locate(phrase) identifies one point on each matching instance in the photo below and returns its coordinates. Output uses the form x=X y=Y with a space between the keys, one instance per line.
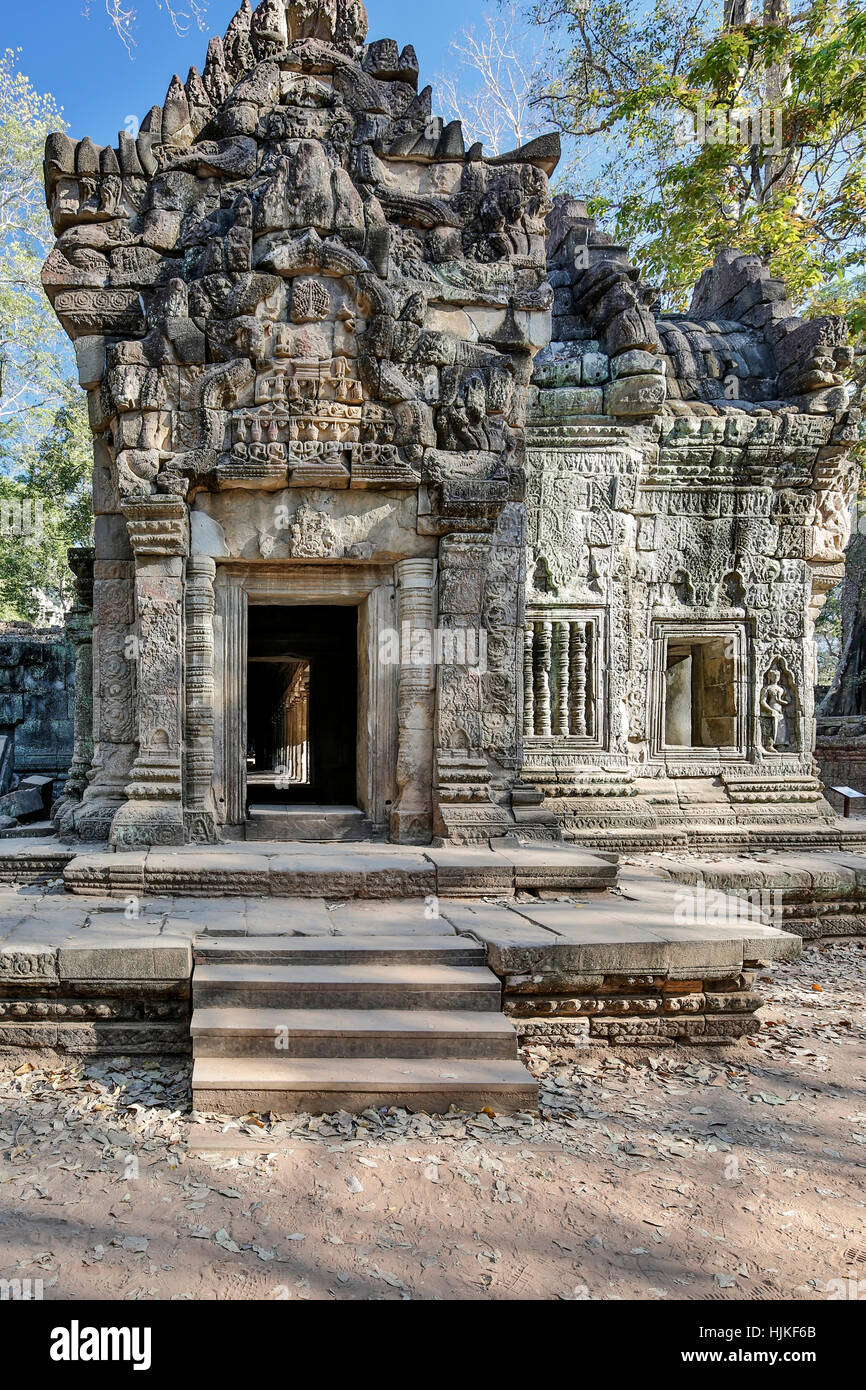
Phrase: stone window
x=562 y=675
x=698 y=690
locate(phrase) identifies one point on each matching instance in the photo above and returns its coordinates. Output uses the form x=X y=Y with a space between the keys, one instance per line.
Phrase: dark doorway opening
x=302 y=706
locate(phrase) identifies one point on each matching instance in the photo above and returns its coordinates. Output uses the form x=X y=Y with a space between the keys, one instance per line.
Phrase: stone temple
x=415 y=518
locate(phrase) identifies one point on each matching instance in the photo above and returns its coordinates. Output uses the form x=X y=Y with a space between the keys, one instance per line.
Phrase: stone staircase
x=344 y=1023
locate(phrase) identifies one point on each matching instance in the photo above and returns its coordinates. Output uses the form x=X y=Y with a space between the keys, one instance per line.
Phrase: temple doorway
x=302 y=707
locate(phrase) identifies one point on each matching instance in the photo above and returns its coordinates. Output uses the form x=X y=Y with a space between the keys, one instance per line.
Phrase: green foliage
x=45 y=508
x=34 y=355
x=828 y=636
x=45 y=448
x=673 y=89
x=607 y=59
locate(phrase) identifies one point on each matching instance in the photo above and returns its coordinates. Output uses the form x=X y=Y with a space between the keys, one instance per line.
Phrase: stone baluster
x=577 y=663
x=543 y=634
x=528 y=680
x=561 y=659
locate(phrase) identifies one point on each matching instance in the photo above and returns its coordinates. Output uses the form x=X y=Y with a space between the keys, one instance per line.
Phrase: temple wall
x=684 y=525
x=37 y=680
x=841 y=753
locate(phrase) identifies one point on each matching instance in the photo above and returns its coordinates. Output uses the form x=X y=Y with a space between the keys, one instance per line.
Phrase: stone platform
x=720 y=836
x=625 y=966
x=581 y=953
x=819 y=894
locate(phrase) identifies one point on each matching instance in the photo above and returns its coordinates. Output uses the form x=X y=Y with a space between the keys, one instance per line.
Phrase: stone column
x=234 y=721
x=199 y=817
x=153 y=814
x=412 y=814
x=577 y=661
x=79 y=626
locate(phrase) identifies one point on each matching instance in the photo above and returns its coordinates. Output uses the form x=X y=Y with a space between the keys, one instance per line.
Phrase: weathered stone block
x=635 y=395
x=636 y=363
x=28 y=965
x=109 y=960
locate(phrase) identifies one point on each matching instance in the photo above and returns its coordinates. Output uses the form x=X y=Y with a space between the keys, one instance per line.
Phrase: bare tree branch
x=490 y=87
x=123 y=17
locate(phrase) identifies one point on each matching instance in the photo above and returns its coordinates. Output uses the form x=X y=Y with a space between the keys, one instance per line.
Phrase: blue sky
x=87 y=70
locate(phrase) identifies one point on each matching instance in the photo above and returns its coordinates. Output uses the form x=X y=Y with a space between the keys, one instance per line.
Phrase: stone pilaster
x=79 y=626
x=412 y=815
x=199 y=818
x=477 y=717
x=153 y=813
x=233 y=703
x=113 y=696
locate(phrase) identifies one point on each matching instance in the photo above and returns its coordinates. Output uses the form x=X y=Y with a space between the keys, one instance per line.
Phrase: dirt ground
x=727 y=1173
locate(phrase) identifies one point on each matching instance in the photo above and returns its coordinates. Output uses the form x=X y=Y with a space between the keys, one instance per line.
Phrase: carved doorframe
x=370 y=589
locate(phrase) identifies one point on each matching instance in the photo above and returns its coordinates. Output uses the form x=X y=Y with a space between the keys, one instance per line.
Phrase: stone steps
x=347 y=986
x=282 y=1085
x=235 y=1032
x=343 y=1023
x=317 y=950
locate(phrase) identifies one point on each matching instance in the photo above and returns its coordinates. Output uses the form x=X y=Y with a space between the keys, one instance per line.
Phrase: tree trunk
x=847 y=694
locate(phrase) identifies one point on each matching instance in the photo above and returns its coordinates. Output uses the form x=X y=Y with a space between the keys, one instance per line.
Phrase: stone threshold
x=369 y=870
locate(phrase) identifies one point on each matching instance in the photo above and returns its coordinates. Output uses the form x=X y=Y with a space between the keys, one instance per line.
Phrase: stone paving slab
x=412 y=917
x=613 y=934
x=821 y=875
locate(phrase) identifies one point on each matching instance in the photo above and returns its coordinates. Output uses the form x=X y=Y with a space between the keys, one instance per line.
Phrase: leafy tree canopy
x=716 y=133
x=45 y=450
